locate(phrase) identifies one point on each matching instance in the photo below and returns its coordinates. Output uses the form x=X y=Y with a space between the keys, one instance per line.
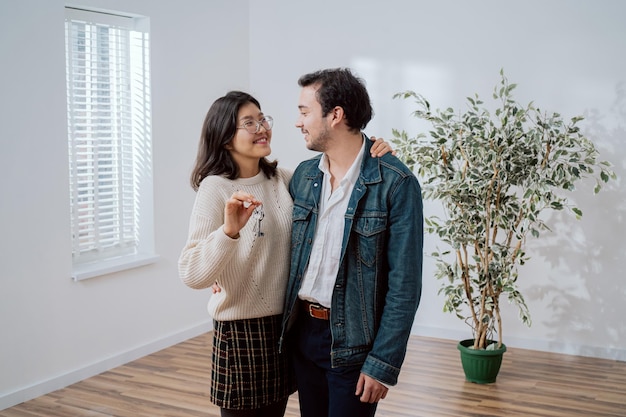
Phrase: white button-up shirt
x=321 y=273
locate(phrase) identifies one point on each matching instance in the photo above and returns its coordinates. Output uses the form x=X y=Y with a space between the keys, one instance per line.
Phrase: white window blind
x=109 y=134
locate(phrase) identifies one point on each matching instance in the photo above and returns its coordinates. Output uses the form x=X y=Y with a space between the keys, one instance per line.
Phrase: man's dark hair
x=340 y=87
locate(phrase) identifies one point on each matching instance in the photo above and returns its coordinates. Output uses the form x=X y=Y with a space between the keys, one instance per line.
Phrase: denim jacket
x=378 y=286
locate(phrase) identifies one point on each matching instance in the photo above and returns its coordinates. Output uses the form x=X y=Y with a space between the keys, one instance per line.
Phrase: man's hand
x=370 y=390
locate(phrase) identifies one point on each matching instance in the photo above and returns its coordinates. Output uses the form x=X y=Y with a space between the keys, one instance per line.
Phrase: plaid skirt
x=248 y=372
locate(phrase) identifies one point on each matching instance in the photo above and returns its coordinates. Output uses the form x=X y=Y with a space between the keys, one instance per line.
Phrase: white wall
x=54 y=331
x=567 y=55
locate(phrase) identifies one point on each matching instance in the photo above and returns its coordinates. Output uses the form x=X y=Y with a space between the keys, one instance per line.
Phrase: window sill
x=122 y=263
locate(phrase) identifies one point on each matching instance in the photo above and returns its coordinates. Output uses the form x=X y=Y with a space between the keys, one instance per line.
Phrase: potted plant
x=495 y=175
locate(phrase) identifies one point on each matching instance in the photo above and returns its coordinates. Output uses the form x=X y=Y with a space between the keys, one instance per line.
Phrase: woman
x=239 y=236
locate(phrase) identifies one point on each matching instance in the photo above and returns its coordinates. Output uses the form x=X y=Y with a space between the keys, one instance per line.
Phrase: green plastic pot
x=480 y=366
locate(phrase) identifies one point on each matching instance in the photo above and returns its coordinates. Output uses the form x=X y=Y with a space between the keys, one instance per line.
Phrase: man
x=356 y=260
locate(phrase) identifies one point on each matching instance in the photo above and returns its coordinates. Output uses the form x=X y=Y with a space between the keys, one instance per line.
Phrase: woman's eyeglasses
x=253 y=126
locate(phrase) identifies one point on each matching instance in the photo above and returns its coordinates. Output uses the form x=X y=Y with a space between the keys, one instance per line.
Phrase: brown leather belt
x=315 y=310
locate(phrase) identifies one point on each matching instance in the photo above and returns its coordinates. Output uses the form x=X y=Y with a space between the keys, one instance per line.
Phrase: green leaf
x=604 y=176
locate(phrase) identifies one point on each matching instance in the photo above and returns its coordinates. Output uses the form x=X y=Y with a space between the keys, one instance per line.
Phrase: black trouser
x=323 y=391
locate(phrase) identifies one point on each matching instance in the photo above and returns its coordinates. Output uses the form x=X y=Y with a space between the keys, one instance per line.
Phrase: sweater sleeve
x=208 y=249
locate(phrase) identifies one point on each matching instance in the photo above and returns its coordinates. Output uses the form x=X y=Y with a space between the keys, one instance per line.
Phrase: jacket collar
x=370 y=167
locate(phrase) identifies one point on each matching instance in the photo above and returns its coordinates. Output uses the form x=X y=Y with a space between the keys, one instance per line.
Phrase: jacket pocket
x=300 y=217
x=370 y=229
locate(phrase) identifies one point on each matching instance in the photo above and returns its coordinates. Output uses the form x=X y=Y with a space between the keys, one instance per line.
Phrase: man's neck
x=342 y=154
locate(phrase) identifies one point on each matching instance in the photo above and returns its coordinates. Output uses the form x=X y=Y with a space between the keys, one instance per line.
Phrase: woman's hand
x=239 y=207
x=380 y=147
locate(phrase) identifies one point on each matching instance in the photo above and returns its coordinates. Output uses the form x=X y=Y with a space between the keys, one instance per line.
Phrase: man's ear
x=337 y=115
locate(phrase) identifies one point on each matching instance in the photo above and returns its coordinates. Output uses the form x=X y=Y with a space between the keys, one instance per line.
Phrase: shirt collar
x=353 y=173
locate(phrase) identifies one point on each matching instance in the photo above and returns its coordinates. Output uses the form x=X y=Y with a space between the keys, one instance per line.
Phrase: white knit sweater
x=251 y=270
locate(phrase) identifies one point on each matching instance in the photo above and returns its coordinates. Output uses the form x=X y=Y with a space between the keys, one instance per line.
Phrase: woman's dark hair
x=339 y=87
x=219 y=129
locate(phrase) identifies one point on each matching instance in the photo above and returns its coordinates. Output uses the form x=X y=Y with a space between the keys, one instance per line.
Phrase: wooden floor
x=174 y=383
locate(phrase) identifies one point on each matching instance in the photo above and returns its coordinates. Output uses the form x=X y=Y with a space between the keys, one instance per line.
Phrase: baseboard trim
x=531 y=344
x=62 y=381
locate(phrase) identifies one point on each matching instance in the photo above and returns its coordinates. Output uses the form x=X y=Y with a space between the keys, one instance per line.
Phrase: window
x=109 y=141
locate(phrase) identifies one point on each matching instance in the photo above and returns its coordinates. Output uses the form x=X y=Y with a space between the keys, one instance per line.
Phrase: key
x=258 y=214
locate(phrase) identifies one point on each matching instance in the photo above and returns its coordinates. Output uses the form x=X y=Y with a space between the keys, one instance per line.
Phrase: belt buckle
x=320 y=312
